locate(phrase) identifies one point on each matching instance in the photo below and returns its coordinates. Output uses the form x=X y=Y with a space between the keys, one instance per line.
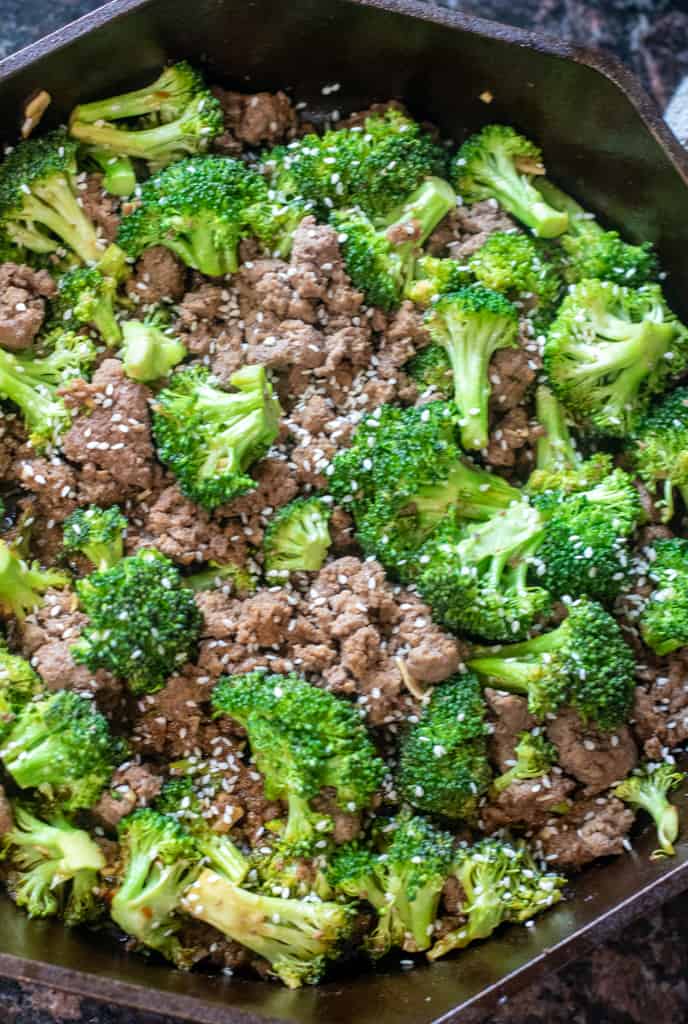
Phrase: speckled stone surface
x=640 y=976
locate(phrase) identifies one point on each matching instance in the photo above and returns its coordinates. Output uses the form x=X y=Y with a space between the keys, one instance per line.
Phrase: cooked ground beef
x=52 y=482
x=593 y=828
x=527 y=802
x=131 y=786
x=660 y=714
x=99 y=206
x=254 y=119
x=595 y=758
x=23 y=292
x=159 y=276
x=465 y=229
x=510 y=717
x=6 y=818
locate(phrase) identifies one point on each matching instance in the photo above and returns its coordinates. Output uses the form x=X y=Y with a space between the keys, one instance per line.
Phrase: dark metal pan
x=607 y=143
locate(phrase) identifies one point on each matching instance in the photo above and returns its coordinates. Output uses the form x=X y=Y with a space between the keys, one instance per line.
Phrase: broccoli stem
x=21 y=585
x=516 y=194
x=144 y=144
x=424 y=208
x=555 y=448
x=42 y=412
x=119 y=176
x=523 y=663
x=53 y=204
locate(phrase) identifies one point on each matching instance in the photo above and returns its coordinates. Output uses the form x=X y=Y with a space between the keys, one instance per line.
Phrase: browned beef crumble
x=6 y=818
x=254 y=119
x=23 y=292
x=596 y=827
x=52 y=482
x=595 y=758
x=467 y=228
x=509 y=717
x=99 y=206
x=158 y=276
x=131 y=786
x=527 y=802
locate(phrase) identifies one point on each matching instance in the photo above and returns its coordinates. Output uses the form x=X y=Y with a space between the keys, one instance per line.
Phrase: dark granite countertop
x=642 y=974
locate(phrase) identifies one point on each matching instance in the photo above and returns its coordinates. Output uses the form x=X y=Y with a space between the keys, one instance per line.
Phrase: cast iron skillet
x=606 y=142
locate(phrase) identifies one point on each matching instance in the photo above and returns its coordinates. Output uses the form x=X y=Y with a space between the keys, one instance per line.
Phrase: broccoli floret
x=592 y=252
x=375 y=167
x=380 y=256
x=198 y=209
x=403 y=883
x=86 y=296
x=22 y=585
x=585 y=547
x=302 y=739
x=585 y=663
x=209 y=437
x=143 y=622
x=443 y=765
x=32 y=382
x=514 y=264
x=664 y=618
x=149 y=352
x=559 y=466
x=658 y=448
x=39 y=210
x=220 y=576
x=534 y=757
x=433 y=277
x=404 y=474
x=119 y=176
x=54 y=868
x=431 y=369
x=166 y=97
x=500 y=164
x=471 y=325
x=19 y=685
x=297 y=537
x=610 y=350
x=62 y=746
x=96 y=533
x=187 y=800
x=159 y=862
x=501 y=883
x=180 y=117
x=296 y=936
x=648 y=788
x=475 y=578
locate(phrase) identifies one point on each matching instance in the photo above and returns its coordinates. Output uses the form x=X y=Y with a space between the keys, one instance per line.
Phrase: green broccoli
x=96 y=533
x=302 y=739
x=198 y=208
x=512 y=263
x=500 y=883
x=86 y=296
x=592 y=252
x=500 y=164
x=433 y=277
x=559 y=466
x=32 y=383
x=186 y=799
x=664 y=618
x=471 y=325
x=404 y=474
x=430 y=369
x=443 y=765
x=297 y=537
x=584 y=551
x=180 y=117
x=119 y=175
x=149 y=351
x=19 y=685
x=63 y=747
x=54 y=868
x=39 y=208
x=403 y=883
x=374 y=167
x=22 y=585
x=296 y=936
x=218 y=576
x=534 y=758
x=648 y=788
x=610 y=350
x=585 y=663
x=475 y=577
x=658 y=449
x=160 y=860
x=380 y=256
x=143 y=622
x=209 y=437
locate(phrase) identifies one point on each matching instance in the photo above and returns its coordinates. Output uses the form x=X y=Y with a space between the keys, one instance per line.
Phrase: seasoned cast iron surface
x=651 y=36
